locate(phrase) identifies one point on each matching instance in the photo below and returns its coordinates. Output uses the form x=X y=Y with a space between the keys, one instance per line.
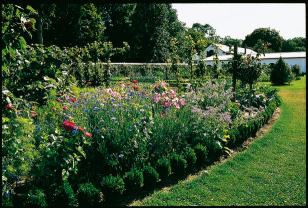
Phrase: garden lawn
x=272 y=171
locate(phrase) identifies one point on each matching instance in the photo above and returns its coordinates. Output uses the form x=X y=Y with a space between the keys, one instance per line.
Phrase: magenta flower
x=167 y=104
x=68 y=125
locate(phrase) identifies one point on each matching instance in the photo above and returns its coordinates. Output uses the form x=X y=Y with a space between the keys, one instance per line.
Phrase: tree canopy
x=267 y=36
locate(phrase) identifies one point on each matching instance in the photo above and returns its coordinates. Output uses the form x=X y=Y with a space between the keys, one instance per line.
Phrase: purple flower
x=121 y=155
x=96 y=131
x=15 y=177
x=150 y=144
x=111 y=155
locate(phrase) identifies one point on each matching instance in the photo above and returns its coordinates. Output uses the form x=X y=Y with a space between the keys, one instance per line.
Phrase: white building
x=225 y=54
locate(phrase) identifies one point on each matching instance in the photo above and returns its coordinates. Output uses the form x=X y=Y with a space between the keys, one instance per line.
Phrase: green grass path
x=272 y=171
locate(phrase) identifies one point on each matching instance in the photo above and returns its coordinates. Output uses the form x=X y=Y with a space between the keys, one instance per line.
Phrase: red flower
x=136 y=87
x=88 y=82
x=135 y=81
x=64 y=108
x=60 y=95
x=29 y=25
x=33 y=107
x=88 y=134
x=68 y=125
x=10 y=107
x=59 y=100
x=128 y=84
x=33 y=115
x=120 y=82
x=73 y=93
x=72 y=99
x=53 y=109
x=81 y=129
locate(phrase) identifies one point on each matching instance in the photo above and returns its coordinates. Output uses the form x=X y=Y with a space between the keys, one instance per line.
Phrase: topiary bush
x=297 y=70
x=133 y=179
x=88 y=195
x=190 y=157
x=112 y=187
x=150 y=176
x=281 y=73
x=201 y=154
x=64 y=195
x=178 y=164
x=163 y=168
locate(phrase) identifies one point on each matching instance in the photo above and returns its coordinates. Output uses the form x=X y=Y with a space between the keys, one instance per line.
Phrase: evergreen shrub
x=163 y=168
x=133 y=179
x=281 y=73
x=88 y=195
x=190 y=157
x=201 y=154
x=178 y=164
x=150 y=176
x=112 y=187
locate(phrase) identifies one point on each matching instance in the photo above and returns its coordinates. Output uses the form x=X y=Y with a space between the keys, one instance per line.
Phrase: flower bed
x=124 y=136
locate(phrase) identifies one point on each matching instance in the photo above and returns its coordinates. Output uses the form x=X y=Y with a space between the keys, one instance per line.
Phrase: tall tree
x=267 y=36
x=295 y=44
x=152 y=32
x=71 y=24
x=117 y=20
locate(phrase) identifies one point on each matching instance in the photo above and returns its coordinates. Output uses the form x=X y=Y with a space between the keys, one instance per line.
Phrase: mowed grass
x=272 y=171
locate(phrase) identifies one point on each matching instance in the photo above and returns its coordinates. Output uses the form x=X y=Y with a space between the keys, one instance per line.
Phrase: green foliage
x=87 y=195
x=150 y=176
x=64 y=195
x=297 y=70
x=295 y=44
x=281 y=73
x=178 y=164
x=190 y=51
x=201 y=154
x=133 y=179
x=265 y=35
x=190 y=157
x=36 y=197
x=112 y=187
x=163 y=167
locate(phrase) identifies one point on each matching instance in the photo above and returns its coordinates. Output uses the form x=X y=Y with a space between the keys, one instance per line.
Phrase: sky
x=239 y=20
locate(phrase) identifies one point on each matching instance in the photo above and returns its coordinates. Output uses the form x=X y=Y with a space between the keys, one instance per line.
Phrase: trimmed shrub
x=190 y=157
x=133 y=179
x=163 y=168
x=297 y=70
x=36 y=198
x=178 y=164
x=150 y=176
x=87 y=195
x=201 y=154
x=112 y=187
x=281 y=73
x=64 y=195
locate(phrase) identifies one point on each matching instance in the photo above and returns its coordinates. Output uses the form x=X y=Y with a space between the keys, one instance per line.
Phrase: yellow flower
x=227 y=136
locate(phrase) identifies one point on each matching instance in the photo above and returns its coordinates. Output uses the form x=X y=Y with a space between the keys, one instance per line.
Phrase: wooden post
x=234 y=73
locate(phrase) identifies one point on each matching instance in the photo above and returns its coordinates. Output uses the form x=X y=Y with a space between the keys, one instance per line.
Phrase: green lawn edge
x=272 y=171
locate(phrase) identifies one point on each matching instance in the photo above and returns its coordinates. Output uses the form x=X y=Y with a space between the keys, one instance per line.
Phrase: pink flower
x=167 y=104
x=53 y=109
x=64 y=108
x=177 y=106
x=157 y=86
x=72 y=99
x=182 y=102
x=166 y=98
x=88 y=134
x=163 y=84
x=122 y=85
x=33 y=115
x=155 y=99
x=81 y=129
x=68 y=125
x=59 y=100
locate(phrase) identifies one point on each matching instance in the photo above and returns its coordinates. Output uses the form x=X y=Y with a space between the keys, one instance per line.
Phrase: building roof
x=225 y=49
x=284 y=55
